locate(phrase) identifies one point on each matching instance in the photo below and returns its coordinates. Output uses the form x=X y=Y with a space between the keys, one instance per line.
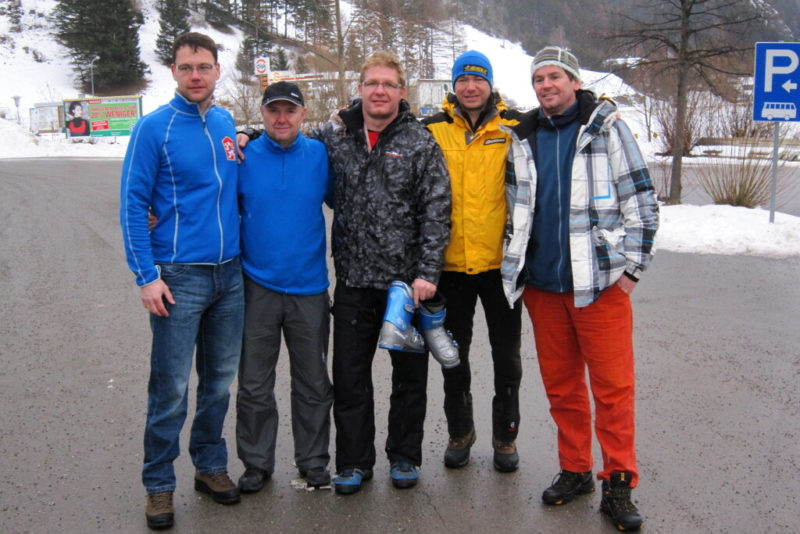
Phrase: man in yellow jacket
x=475 y=148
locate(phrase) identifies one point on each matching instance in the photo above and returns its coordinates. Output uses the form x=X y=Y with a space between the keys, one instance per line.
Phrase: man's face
x=282 y=120
x=554 y=89
x=472 y=92
x=196 y=74
x=381 y=93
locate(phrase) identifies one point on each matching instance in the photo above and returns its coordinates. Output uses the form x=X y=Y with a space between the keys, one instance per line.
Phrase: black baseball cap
x=283 y=91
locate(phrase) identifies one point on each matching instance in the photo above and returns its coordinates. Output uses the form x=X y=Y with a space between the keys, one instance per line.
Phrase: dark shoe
x=404 y=475
x=616 y=502
x=219 y=486
x=253 y=479
x=566 y=485
x=159 y=511
x=316 y=476
x=506 y=458
x=350 y=480
x=457 y=453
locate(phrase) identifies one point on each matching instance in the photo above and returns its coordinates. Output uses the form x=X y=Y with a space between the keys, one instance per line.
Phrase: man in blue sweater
x=283 y=181
x=181 y=163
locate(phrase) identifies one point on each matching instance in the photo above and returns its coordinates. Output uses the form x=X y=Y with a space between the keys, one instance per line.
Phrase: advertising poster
x=102 y=117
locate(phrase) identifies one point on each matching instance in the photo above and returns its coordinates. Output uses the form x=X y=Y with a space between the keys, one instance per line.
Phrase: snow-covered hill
x=50 y=78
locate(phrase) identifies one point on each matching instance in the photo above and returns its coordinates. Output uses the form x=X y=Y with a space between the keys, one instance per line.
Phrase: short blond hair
x=384 y=58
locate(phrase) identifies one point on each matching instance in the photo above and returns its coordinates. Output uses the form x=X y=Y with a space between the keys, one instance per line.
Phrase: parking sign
x=776 y=82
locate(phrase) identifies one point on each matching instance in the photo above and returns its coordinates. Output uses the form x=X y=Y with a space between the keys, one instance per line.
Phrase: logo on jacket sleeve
x=230 y=148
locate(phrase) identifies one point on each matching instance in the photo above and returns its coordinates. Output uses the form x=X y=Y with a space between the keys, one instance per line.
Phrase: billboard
x=101 y=116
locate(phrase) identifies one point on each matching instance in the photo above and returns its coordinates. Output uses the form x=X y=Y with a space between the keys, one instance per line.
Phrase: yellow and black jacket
x=476 y=161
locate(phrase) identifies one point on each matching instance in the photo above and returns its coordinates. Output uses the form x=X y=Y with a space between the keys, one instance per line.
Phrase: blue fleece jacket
x=547 y=261
x=182 y=164
x=281 y=191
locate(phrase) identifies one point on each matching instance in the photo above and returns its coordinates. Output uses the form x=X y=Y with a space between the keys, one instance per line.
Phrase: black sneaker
x=253 y=479
x=616 y=502
x=457 y=453
x=567 y=485
x=316 y=476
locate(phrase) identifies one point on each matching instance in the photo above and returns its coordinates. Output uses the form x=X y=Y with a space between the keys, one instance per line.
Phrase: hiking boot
x=404 y=474
x=159 y=512
x=457 y=453
x=316 y=476
x=616 y=501
x=219 y=486
x=349 y=480
x=253 y=479
x=566 y=485
x=506 y=458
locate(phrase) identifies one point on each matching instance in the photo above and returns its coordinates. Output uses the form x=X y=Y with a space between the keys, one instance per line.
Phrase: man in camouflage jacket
x=391 y=222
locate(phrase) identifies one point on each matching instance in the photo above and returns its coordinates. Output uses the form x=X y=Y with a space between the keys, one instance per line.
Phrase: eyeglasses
x=203 y=69
x=372 y=85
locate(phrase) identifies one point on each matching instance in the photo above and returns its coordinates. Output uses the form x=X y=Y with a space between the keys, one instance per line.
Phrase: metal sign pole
x=774 y=188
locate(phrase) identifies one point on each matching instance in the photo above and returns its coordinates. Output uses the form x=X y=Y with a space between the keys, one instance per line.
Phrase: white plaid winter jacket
x=613 y=206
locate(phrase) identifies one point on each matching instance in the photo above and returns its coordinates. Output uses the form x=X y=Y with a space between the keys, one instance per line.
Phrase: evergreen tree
x=278 y=60
x=173 y=21
x=107 y=29
x=14 y=12
x=219 y=13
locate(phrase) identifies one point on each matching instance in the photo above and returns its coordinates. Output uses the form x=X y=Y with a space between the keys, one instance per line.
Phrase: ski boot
x=439 y=341
x=397 y=333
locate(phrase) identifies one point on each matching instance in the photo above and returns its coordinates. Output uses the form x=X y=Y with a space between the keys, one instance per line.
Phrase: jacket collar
x=180 y=103
x=353 y=116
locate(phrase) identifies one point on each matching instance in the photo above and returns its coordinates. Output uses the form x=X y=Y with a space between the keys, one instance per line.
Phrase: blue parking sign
x=776 y=82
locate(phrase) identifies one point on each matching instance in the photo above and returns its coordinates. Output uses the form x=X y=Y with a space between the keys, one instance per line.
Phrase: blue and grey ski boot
x=439 y=341
x=397 y=333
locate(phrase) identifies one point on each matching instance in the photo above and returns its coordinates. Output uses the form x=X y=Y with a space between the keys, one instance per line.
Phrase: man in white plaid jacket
x=582 y=219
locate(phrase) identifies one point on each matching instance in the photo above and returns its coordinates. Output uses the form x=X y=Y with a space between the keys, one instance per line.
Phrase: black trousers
x=357 y=319
x=504 y=323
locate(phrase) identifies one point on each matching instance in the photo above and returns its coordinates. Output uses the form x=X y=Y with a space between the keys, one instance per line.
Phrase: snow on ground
x=695 y=229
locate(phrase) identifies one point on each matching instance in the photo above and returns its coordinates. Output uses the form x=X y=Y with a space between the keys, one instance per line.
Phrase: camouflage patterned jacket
x=392 y=204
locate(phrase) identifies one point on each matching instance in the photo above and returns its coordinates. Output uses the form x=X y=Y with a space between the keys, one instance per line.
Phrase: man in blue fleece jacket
x=283 y=181
x=181 y=163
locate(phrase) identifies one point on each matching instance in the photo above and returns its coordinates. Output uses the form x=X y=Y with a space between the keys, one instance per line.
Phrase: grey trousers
x=304 y=322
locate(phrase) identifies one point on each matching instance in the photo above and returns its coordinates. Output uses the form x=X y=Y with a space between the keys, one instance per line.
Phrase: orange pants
x=599 y=338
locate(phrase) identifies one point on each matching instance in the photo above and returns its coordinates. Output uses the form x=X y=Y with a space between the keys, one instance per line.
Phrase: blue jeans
x=208 y=314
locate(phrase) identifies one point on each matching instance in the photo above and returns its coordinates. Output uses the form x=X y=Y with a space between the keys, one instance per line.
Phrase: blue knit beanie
x=475 y=63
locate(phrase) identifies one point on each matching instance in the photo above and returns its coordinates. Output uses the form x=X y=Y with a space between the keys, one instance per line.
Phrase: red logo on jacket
x=230 y=148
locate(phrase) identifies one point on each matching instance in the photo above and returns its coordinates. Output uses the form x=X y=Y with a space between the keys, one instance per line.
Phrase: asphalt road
x=718 y=408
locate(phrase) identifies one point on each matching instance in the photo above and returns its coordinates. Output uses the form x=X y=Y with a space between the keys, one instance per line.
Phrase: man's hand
x=626 y=284
x=241 y=142
x=153 y=296
x=423 y=290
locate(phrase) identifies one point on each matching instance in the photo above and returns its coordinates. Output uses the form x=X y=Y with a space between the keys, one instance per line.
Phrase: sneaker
x=253 y=479
x=159 y=511
x=616 y=502
x=349 y=480
x=506 y=458
x=404 y=475
x=219 y=486
x=457 y=453
x=316 y=476
x=567 y=485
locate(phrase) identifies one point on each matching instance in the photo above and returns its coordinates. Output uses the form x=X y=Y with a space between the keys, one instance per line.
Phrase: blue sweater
x=182 y=164
x=281 y=191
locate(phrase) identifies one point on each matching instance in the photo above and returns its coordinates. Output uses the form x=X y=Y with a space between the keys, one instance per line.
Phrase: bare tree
x=699 y=42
